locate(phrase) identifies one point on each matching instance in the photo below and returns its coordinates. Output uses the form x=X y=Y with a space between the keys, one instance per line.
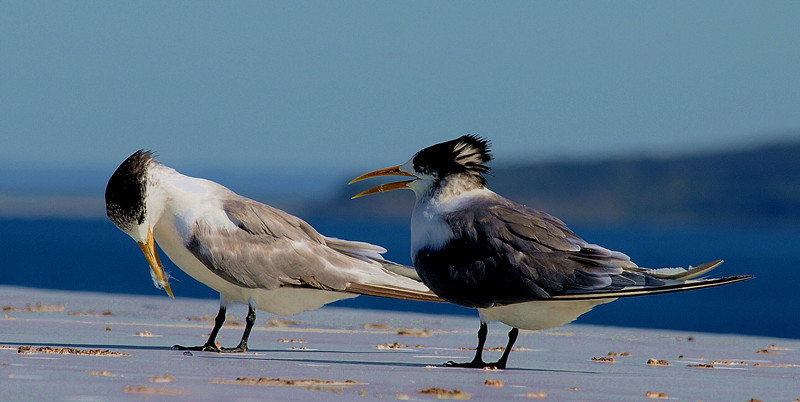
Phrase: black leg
x=512 y=337
x=477 y=361
x=210 y=345
x=249 y=320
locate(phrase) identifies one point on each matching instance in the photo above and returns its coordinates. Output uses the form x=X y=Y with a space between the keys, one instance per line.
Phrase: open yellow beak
x=392 y=171
x=151 y=254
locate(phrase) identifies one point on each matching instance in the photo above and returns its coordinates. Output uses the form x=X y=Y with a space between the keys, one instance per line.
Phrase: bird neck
x=450 y=188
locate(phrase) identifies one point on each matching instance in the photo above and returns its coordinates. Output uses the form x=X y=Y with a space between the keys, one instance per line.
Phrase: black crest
x=126 y=190
x=466 y=154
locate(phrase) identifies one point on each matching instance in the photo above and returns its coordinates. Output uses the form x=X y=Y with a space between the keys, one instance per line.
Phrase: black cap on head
x=126 y=191
x=466 y=154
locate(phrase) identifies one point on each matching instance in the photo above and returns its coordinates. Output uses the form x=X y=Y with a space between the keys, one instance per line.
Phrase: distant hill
x=754 y=185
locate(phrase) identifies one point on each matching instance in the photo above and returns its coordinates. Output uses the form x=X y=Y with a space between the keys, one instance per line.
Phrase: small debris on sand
x=605 y=359
x=79 y=314
x=393 y=345
x=536 y=395
x=494 y=383
x=656 y=395
x=103 y=373
x=137 y=389
x=784 y=365
x=287 y=340
x=107 y=313
x=232 y=321
x=108 y=329
x=498 y=349
x=312 y=384
x=164 y=379
x=38 y=308
x=69 y=351
x=146 y=334
x=776 y=347
x=441 y=393
x=277 y=322
x=42 y=308
x=767 y=352
x=379 y=326
x=422 y=333
x=575 y=389
x=657 y=362
x=702 y=366
x=728 y=363
x=202 y=318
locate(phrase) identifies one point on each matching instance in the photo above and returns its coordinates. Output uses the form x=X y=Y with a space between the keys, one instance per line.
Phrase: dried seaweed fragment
x=422 y=333
x=43 y=308
x=164 y=379
x=536 y=395
x=393 y=345
x=441 y=393
x=378 y=326
x=69 y=351
x=728 y=363
x=604 y=359
x=287 y=340
x=313 y=384
x=701 y=365
x=138 y=389
x=494 y=383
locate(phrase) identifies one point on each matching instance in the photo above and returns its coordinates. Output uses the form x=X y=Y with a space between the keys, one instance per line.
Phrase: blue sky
x=350 y=86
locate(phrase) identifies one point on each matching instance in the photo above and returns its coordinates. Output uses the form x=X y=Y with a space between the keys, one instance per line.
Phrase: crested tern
x=515 y=264
x=247 y=251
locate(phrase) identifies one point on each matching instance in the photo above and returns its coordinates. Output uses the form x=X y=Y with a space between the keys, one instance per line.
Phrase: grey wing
x=273 y=248
x=549 y=251
x=509 y=253
x=270 y=249
x=540 y=249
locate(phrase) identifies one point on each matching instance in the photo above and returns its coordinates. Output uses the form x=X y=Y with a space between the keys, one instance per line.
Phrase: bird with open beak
x=249 y=252
x=515 y=264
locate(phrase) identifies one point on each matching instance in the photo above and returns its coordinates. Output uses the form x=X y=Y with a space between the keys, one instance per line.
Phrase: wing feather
x=272 y=248
x=504 y=253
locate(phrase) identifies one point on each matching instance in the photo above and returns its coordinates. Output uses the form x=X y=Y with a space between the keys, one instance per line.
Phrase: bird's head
x=433 y=167
x=127 y=207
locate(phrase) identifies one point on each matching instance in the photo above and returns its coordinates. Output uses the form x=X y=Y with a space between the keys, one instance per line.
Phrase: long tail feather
x=654 y=290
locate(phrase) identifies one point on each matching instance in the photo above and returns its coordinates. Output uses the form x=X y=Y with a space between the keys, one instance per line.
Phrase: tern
x=249 y=252
x=515 y=264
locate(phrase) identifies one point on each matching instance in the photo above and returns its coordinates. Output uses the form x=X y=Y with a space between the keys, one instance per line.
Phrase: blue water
x=96 y=256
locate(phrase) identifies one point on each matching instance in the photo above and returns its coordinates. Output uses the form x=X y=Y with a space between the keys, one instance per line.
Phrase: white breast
x=428 y=227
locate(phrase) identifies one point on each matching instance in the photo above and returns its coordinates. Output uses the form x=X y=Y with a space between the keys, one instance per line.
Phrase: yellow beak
x=151 y=254
x=392 y=171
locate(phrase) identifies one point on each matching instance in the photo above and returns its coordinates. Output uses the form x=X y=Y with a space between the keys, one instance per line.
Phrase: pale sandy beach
x=343 y=354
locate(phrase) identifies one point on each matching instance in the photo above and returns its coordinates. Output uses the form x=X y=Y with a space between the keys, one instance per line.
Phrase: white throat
x=429 y=229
